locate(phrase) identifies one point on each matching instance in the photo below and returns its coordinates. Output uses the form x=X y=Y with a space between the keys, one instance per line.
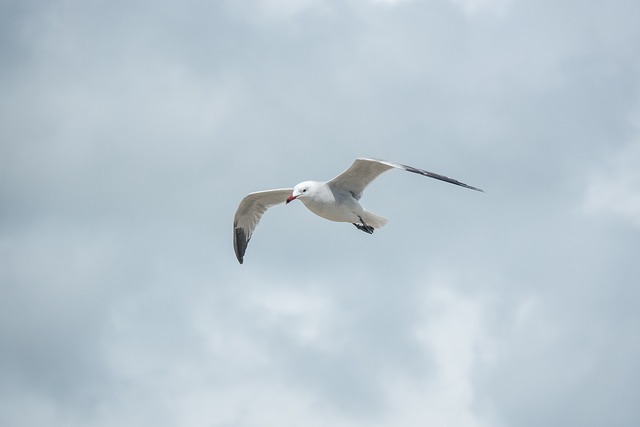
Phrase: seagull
x=335 y=200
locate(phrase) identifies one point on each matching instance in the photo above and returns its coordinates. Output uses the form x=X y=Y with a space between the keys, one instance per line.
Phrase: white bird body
x=335 y=200
x=334 y=205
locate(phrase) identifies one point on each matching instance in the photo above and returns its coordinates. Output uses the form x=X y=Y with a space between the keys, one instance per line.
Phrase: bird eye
x=304 y=190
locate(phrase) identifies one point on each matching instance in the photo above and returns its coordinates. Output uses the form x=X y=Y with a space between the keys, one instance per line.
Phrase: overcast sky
x=130 y=130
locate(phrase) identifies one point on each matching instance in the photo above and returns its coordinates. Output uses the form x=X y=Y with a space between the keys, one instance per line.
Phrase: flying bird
x=335 y=200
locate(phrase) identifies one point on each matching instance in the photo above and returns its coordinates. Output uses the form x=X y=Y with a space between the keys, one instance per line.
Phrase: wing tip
x=239 y=243
x=470 y=187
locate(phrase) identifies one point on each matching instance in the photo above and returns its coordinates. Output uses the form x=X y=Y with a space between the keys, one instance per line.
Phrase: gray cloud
x=129 y=133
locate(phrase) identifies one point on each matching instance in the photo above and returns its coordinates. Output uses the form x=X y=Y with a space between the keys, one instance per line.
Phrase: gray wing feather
x=248 y=215
x=363 y=171
x=359 y=175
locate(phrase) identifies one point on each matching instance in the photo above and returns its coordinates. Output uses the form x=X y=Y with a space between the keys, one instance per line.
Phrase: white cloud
x=453 y=332
x=304 y=313
x=614 y=189
x=392 y=2
x=472 y=7
x=283 y=10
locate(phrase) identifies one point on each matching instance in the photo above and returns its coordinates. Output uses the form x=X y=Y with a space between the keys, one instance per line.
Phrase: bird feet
x=364 y=227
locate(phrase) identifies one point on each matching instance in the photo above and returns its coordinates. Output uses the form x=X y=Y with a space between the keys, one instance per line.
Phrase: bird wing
x=363 y=171
x=248 y=215
x=359 y=175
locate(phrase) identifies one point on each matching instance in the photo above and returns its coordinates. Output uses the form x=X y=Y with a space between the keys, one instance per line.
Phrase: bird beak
x=291 y=198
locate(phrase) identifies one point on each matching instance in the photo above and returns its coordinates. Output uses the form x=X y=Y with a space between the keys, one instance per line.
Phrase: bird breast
x=333 y=206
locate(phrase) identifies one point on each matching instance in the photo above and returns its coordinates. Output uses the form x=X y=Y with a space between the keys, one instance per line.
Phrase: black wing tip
x=462 y=184
x=439 y=177
x=239 y=243
x=470 y=187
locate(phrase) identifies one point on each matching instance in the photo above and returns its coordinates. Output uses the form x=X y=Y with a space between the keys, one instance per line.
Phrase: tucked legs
x=363 y=226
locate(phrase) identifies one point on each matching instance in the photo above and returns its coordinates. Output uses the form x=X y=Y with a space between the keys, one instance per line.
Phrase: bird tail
x=376 y=221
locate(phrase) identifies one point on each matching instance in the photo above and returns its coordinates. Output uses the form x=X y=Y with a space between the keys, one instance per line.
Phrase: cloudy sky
x=130 y=130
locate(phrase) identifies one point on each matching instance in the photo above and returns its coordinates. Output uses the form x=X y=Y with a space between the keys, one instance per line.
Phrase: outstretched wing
x=248 y=215
x=363 y=171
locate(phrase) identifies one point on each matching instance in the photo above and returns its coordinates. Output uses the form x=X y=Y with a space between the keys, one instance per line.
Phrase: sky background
x=130 y=131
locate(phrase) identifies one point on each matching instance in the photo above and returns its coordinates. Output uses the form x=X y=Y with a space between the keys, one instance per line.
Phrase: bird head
x=301 y=190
